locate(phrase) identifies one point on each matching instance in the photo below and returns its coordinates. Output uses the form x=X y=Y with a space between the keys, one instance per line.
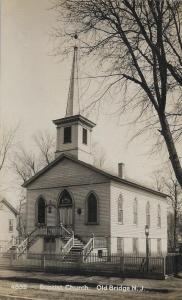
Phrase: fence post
x=164 y=266
x=43 y=262
x=175 y=265
x=122 y=264
x=11 y=258
x=93 y=240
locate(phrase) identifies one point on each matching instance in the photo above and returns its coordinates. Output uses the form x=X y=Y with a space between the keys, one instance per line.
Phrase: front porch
x=58 y=240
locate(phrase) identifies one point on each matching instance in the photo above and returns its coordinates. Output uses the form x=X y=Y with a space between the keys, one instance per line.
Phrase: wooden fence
x=107 y=265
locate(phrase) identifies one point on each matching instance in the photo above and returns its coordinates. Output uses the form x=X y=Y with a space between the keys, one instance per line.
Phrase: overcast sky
x=34 y=88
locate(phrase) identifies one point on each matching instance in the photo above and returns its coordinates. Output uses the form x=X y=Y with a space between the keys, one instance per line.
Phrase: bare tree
x=46 y=144
x=6 y=141
x=21 y=218
x=139 y=44
x=27 y=163
x=24 y=164
x=99 y=155
x=174 y=191
x=165 y=181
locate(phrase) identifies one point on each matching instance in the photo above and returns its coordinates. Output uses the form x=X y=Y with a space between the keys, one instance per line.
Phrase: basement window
x=67 y=135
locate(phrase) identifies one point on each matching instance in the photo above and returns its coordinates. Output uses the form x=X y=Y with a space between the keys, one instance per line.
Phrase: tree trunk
x=173 y=156
x=175 y=214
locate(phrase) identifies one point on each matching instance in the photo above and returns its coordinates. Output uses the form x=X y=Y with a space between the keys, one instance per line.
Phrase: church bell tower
x=74 y=130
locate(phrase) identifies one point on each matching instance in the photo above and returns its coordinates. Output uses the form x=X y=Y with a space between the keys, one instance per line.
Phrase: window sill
x=92 y=223
x=120 y=223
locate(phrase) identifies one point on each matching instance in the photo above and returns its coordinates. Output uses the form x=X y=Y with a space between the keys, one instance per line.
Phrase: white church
x=72 y=206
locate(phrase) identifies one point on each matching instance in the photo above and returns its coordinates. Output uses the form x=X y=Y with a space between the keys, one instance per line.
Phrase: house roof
x=5 y=202
x=102 y=172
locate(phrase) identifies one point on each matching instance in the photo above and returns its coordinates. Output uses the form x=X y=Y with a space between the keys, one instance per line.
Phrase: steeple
x=74 y=132
x=73 y=107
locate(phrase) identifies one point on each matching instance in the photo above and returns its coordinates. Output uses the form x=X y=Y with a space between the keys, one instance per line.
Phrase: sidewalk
x=169 y=284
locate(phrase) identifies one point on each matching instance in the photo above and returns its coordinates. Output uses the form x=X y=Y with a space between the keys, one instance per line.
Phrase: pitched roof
x=102 y=172
x=9 y=206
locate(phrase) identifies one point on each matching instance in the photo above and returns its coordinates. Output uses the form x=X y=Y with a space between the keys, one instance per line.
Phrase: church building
x=72 y=206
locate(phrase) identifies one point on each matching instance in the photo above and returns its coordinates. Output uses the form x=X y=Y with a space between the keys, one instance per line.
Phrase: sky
x=34 y=89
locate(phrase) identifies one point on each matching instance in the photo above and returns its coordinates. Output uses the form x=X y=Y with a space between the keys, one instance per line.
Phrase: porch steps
x=76 y=251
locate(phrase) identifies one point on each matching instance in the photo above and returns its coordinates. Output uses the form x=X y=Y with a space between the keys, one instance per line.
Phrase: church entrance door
x=66 y=216
x=66 y=210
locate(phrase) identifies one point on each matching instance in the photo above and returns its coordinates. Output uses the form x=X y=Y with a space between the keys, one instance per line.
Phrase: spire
x=73 y=94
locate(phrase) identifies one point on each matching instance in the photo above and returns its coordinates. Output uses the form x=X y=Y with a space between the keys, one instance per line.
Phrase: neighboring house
x=70 y=200
x=8 y=222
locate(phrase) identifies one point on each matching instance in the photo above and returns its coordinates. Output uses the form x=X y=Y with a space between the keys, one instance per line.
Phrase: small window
x=159 y=216
x=120 y=209
x=148 y=214
x=135 y=212
x=135 y=245
x=11 y=221
x=120 y=245
x=100 y=253
x=92 y=209
x=84 y=136
x=67 y=135
x=41 y=211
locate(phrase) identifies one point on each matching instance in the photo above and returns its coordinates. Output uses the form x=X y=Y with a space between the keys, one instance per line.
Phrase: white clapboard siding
x=66 y=173
x=128 y=230
x=79 y=181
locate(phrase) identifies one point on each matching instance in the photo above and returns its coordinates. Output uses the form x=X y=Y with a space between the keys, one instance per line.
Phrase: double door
x=66 y=216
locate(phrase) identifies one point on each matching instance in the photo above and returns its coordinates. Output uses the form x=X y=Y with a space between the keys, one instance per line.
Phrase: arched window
x=135 y=212
x=65 y=199
x=92 y=209
x=120 y=209
x=148 y=214
x=41 y=211
x=159 y=216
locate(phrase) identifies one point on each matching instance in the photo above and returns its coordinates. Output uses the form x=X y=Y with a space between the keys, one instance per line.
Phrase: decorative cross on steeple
x=73 y=106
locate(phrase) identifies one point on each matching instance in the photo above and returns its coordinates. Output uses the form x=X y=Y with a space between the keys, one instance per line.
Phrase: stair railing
x=88 y=247
x=22 y=247
x=70 y=243
x=65 y=232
